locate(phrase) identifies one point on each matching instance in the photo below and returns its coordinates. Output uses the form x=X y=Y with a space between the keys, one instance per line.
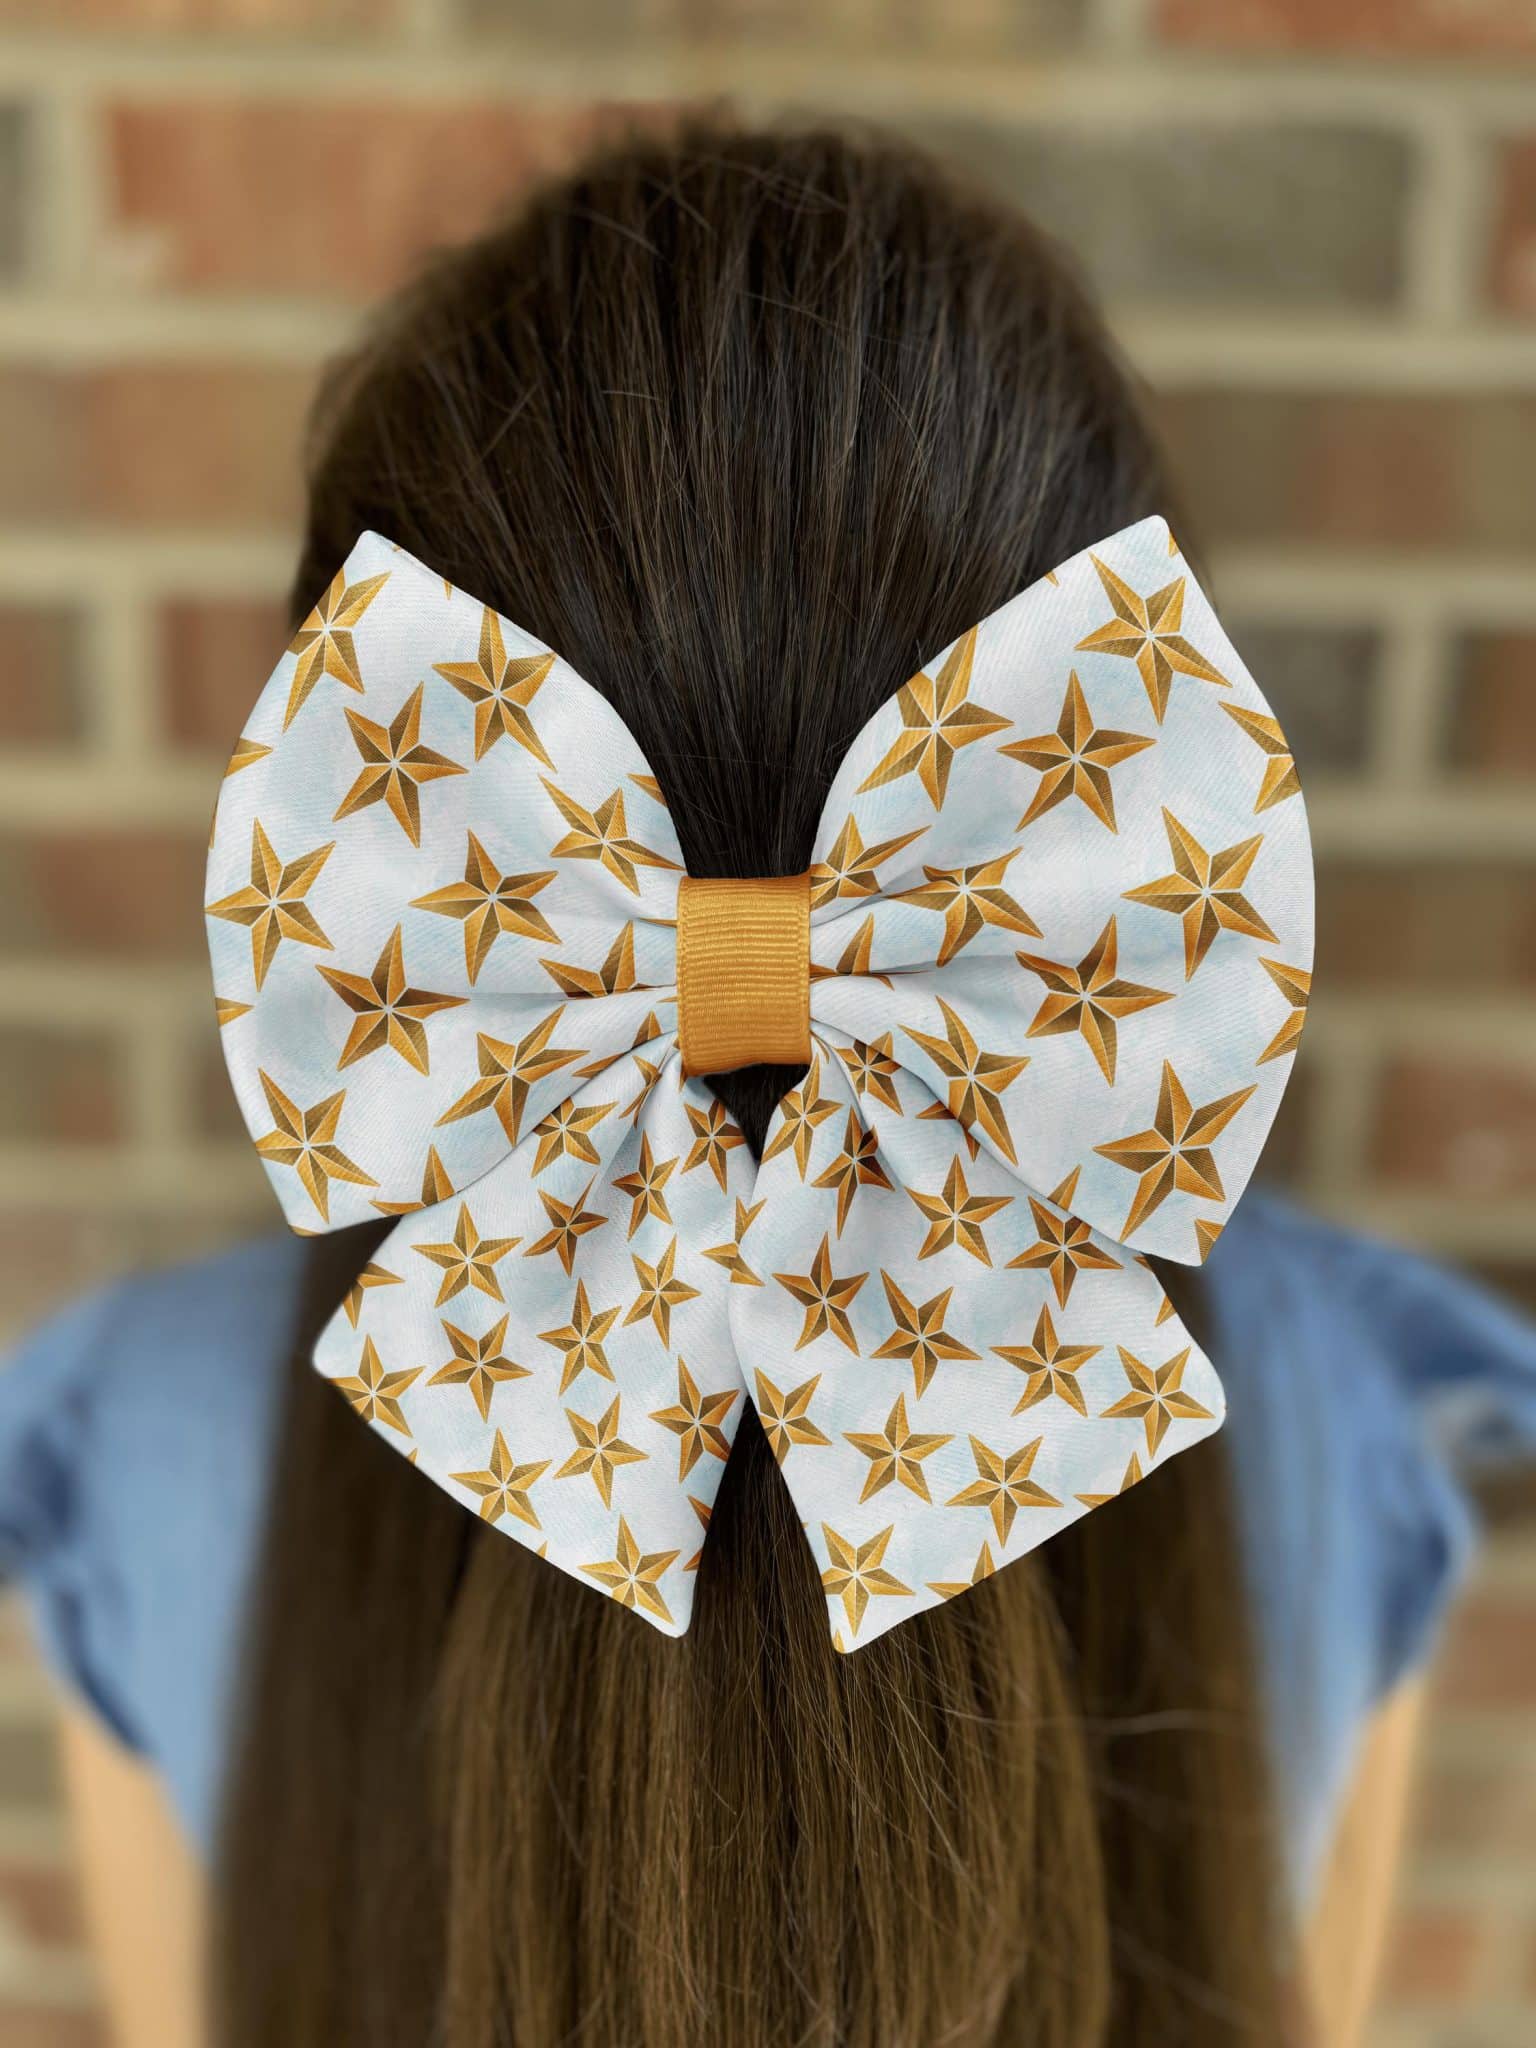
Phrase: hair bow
x=1043 y=975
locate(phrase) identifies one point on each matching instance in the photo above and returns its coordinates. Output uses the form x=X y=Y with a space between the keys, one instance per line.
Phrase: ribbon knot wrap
x=1054 y=953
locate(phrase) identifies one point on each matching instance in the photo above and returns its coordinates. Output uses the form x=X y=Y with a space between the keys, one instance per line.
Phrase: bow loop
x=1066 y=874
x=441 y=889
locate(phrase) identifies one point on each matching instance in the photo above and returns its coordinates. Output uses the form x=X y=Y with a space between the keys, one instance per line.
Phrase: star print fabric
x=1061 y=948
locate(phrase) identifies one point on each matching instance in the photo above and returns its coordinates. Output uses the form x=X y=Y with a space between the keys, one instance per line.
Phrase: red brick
x=214 y=656
x=60 y=1085
x=1463 y=1127
x=42 y=1902
x=332 y=198
x=1363 y=468
x=1363 y=27
x=1476 y=1805
x=158 y=444
x=1512 y=272
x=1433 y=1956
x=45 y=2026
x=211 y=1099
x=1492 y=728
x=123 y=893
x=1489 y=1657
x=39 y=680
x=46 y=1256
x=1446 y=925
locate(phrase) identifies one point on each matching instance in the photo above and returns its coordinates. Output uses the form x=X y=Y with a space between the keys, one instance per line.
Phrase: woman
x=745 y=425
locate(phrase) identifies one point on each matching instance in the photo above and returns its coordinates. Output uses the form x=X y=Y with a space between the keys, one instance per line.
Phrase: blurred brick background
x=1315 y=222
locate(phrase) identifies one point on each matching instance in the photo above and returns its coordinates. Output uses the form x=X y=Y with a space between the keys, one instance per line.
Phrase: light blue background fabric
x=136 y=1431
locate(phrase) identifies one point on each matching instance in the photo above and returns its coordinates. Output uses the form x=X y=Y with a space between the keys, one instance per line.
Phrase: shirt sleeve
x=51 y=1440
x=1363 y=1383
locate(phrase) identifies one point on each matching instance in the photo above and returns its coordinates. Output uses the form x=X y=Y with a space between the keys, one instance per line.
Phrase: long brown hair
x=746 y=425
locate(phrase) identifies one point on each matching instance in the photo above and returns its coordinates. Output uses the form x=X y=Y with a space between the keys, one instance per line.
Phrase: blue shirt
x=136 y=1434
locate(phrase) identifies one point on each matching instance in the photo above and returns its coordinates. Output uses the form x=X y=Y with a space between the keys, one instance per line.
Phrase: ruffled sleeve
x=51 y=1540
x=1363 y=1385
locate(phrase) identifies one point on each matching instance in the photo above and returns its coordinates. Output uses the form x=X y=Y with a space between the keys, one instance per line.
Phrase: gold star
x=1176 y=1152
x=246 y=754
x=1146 y=630
x=649 y=1074
x=603 y=835
x=1205 y=890
x=730 y=1255
x=375 y=1393
x=581 y=1339
x=1088 y=998
x=696 y=1421
x=478 y=1363
x=631 y=1578
x=948 y=1588
x=937 y=720
x=855 y=958
x=660 y=1292
x=503 y=1486
x=569 y=1221
x=1295 y=984
x=468 y=1259
x=372 y=1275
x=1279 y=769
x=786 y=1416
x=1157 y=1396
x=969 y=899
x=919 y=1335
x=856 y=1166
x=701 y=1510
x=645 y=1188
x=1052 y=1367
x=488 y=903
x=826 y=1297
x=600 y=1450
x=850 y=868
x=1075 y=760
x=615 y=977
x=977 y=1080
x=800 y=1113
x=856 y=1572
x=713 y=1136
x=1002 y=1485
x=896 y=1455
x=305 y=1139
x=395 y=764
x=955 y=1216
x=435 y=1187
x=227 y=1011
x=872 y=1070
x=272 y=903
x=563 y=1134
x=385 y=1011
x=1065 y=1246
x=1132 y=1475
x=500 y=690
x=507 y=1072
x=323 y=644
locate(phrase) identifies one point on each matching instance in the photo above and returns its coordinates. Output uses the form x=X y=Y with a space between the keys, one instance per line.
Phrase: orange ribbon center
x=744 y=972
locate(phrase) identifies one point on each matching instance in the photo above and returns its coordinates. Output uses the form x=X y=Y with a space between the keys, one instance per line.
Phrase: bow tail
x=949 y=1368
x=550 y=1344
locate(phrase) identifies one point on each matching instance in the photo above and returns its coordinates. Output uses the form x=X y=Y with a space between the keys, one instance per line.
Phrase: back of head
x=746 y=426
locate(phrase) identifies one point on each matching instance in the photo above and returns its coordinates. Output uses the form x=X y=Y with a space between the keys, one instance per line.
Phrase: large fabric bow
x=1059 y=954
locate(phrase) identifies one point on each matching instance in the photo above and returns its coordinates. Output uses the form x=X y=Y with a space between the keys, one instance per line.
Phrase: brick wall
x=1315 y=221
